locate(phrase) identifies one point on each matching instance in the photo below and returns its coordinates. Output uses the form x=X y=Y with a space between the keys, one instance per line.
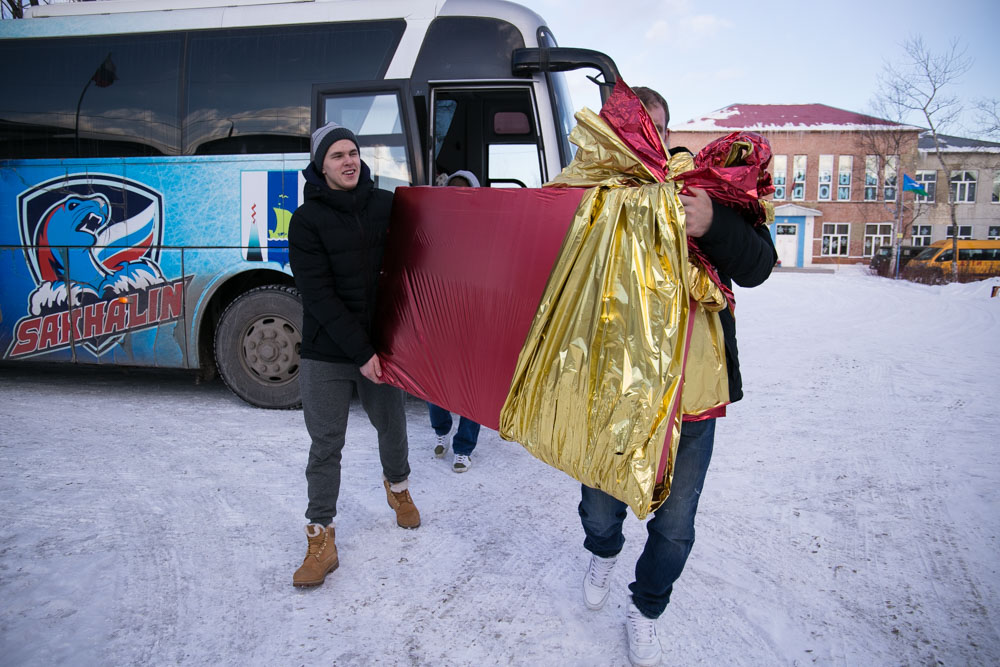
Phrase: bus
x=150 y=158
x=977 y=260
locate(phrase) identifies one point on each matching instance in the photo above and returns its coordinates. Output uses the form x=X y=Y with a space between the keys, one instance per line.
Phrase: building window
x=825 y=192
x=963 y=186
x=921 y=235
x=871 y=177
x=996 y=187
x=964 y=231
x=889 y=177
x=928 y=179
x=993 y=233
x=844 y=170
x=835 y=238
x=780 y=175
x=876 y=236
x=799 y=178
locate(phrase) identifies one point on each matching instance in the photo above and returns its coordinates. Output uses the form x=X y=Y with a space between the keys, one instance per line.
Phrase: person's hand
x=697 y=212
x=373 y=370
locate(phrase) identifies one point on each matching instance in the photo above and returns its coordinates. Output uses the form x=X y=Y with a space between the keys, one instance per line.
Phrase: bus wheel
x=257 y=346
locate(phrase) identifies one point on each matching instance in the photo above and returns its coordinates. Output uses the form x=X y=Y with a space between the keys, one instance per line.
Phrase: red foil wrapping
x=624 y=113
x=733 y=170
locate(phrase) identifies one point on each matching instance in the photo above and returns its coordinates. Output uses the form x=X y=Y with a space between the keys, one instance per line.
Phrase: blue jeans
x=671 y=528
x=465 y=437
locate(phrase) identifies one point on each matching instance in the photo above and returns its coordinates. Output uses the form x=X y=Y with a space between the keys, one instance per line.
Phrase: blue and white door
x=786 y=242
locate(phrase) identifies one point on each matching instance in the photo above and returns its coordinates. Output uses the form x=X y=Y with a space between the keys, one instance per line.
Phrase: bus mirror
x=511 y=122
x=526 y=62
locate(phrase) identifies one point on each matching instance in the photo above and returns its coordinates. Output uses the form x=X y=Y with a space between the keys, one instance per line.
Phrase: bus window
x=514 y=166
x=376 y=119
x=491 y=132
x=562 y=102
x=112 y=96
x=466 y=48
x=249 y=90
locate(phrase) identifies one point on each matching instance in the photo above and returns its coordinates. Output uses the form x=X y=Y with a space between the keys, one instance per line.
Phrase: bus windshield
x=562 y=101
x=926 y=254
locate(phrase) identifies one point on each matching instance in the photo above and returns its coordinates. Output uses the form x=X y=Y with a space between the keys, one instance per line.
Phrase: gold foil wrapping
x=597 y=391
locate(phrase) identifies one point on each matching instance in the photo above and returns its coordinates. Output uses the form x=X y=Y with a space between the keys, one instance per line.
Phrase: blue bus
x=150 y=153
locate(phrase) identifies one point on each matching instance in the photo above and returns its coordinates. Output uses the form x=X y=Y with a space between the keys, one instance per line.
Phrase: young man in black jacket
x=335 y=244
x=742 y=253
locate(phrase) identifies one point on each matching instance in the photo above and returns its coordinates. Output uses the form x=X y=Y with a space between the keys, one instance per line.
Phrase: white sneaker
x=643 y=646
x=442 y=446
x=597 y=583
x=462 y=463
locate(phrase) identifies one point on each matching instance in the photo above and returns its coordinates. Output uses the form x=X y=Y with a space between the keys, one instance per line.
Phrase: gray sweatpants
x=327 y=389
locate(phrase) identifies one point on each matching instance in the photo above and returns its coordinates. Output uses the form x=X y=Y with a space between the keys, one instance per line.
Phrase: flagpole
x=899 y=227
x=908 y=184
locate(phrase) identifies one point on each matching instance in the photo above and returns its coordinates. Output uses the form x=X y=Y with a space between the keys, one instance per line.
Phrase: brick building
x=837 y=173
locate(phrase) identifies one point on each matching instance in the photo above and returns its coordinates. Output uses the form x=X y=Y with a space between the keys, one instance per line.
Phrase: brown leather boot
x=407 y=515
x=321 y=559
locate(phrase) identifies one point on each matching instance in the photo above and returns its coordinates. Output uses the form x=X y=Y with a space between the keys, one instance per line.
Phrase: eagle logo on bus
x=92 y=245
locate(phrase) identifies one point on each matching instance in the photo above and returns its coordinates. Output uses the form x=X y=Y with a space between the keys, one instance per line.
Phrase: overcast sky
x=703 y=56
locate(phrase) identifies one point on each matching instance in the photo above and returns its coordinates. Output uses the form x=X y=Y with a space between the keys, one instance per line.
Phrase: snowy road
x=851 y=515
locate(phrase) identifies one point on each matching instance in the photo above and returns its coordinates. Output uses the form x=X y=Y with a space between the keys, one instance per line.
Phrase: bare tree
x=919 y=86
x=14 y=9
x=890 y=144
x=988 y=117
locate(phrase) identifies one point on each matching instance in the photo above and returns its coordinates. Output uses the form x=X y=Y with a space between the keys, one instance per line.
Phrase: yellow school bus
x=976 y=260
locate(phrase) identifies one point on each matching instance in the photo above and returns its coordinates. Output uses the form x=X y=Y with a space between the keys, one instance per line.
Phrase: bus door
x=491 y=131
x=384 y=123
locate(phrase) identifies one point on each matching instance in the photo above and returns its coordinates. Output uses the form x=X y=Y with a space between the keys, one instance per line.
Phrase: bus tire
x=257 y=345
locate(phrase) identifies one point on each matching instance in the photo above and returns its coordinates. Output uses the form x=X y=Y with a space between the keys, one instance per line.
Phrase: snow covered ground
x=851 y=515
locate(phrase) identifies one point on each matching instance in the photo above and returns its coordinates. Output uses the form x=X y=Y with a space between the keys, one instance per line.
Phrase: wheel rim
x=271 y=349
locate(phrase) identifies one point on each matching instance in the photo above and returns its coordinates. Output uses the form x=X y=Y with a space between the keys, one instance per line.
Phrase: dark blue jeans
x=465 y=437
x=671 y=528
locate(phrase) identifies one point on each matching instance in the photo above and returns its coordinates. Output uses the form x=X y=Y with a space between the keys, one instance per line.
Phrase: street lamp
x=104 y=76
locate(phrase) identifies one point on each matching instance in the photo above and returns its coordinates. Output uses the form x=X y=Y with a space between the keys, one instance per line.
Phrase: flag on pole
x=913 y=186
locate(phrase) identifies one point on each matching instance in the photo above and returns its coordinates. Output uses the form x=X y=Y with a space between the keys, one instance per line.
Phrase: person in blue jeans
x=741 y=252
x=468 y=431
x=462 y=444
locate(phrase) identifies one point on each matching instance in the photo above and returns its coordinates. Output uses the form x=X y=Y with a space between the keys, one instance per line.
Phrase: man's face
x=659 y=117
x=342 y=165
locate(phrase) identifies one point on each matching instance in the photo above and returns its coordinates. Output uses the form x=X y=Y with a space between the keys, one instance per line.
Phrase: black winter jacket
x=335 y=244
x=741 y=253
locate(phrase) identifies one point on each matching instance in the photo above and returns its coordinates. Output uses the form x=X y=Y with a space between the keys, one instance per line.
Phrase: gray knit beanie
x=325 y=137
